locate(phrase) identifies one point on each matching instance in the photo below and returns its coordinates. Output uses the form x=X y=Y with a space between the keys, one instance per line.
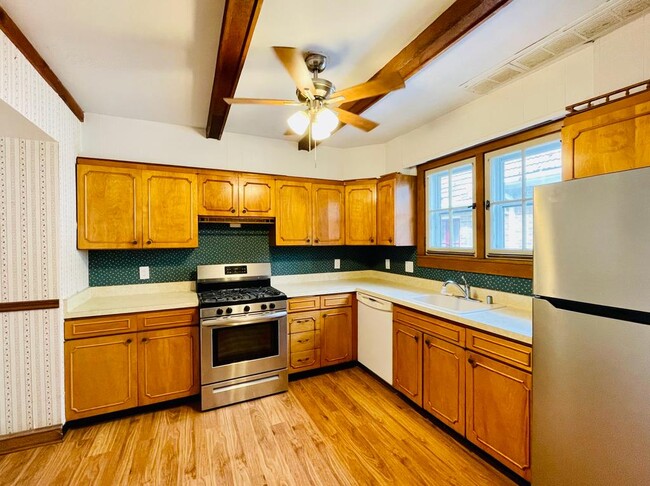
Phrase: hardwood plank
x=21 y=42
x=237 y=27
x=343 y=428
x=453 y=24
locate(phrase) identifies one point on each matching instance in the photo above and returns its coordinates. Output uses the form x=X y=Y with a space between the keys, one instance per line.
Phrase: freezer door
x=592 y=240
x=591 y=399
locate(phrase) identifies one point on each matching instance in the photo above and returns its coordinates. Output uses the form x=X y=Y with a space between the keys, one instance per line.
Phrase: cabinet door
x=293 y=220
x=256 y=196
x=168 y=364
x=100 y=375
x=407 y=361
x=329 y=214
x=360 y=214
x=109 y=207
x=498 y=411
x=386 y=212
x=218 y=194
x=336 y=336
x=169 y=211
x=444 y=382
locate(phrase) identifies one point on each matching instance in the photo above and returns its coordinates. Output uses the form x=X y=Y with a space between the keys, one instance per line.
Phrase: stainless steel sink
x=448 y=303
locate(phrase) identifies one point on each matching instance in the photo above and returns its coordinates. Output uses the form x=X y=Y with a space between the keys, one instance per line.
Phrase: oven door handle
x=241 y=320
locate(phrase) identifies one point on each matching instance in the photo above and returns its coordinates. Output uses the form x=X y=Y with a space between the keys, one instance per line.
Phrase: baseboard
x=30 y=438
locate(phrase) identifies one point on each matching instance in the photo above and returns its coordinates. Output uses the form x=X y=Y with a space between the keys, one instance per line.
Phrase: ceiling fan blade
x=294 y=63
x=355 y=120
x=379 y=86
x=260 y=101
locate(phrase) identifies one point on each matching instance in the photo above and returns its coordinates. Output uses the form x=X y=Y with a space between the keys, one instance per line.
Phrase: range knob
x=271 y=306
x=228 y=310
x=263 y=306
x=247 y=308
x=219 y=312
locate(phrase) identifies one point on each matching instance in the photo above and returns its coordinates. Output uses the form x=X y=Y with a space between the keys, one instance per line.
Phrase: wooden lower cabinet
x=168 y=364
x=321 y=332
x=407 y=361
x=444 y=382
x=101 y=375
x=109 y=373
x=498 y=411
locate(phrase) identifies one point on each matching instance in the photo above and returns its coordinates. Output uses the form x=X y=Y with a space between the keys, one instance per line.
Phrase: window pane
x=463 y=228
x=439 y=230
x=439 y=190
x=529 y=225
x=505 y=180
x=462 y=186
x=507 y=224
x=543 y=165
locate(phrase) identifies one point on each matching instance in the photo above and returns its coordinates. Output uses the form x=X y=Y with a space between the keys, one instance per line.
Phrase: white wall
x=144 y=141
x=614 y=61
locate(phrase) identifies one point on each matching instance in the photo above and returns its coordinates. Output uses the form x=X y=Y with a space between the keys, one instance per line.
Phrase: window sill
x=521 y=268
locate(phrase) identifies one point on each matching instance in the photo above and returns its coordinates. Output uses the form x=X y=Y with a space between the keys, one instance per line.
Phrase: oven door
x=238 y=346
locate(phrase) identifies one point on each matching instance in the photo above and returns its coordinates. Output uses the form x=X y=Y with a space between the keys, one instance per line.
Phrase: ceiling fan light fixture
x=298 y=122
x=319 y=131
x=327 y=119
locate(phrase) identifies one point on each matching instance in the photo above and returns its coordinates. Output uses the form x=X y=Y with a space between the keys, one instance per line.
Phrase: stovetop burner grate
x=240 y=295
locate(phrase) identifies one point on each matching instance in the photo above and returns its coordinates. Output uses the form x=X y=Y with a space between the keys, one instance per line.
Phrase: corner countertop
x=125 y=299
x=513 y=321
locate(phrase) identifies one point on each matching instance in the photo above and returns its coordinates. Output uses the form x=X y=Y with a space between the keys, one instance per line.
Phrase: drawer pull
x=302 y=360
x=233 y=210
x=299 y=321
x=128 y=341
x=304 y=340
x=471 y=362
x=145 y=340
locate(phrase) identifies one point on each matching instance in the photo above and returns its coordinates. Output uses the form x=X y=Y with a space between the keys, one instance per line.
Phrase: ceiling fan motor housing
x=324 y=88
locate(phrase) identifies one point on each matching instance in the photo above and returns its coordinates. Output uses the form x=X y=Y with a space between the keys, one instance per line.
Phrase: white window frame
x=448 y=168
x=501 y=253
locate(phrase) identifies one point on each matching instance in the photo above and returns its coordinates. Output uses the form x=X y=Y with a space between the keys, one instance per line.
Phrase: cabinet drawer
x=431 y=325
x=336 y=300
x=303 y=303
x=304 y=360
x=508 y=352
x=304 y=341
x=100 y=326
x=303 y=321
x=167 y=318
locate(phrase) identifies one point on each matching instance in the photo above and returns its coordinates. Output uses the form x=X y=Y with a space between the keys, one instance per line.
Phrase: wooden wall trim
x=237 y=27
x=453 y=24
x=21 y=42
x=29 y=305
x=31 y=438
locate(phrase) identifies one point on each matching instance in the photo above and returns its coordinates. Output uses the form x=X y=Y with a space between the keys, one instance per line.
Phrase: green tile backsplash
x=218 y=243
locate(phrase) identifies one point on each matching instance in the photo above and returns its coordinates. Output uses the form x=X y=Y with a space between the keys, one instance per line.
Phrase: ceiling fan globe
x=298 y=122
x=327 y=119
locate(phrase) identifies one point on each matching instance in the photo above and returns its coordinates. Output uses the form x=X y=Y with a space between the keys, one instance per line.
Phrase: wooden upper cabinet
x=396 y=210
x=328 y=206
x=606 y=139
x=219 y=194
x=336 y=336
x=361 y=213
x=407 y=361
x=256 y=196
x=109 y=201
x=293 y=225
x=169 y=210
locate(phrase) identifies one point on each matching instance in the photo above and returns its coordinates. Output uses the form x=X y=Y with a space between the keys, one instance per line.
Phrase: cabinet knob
x=233 y=210
x=372 y=240
x=390 y=240
x=149 y=242
x=471 y=362
x=427 y=342
x=316 y=240
x=145 y=340
x=324 y=315
x=128 y=341
x=243 y=210
x=308 y=240
x=134 y=242
x=416 y=338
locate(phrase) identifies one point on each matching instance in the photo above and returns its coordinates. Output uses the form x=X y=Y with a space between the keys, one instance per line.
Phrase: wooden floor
x=337 y=428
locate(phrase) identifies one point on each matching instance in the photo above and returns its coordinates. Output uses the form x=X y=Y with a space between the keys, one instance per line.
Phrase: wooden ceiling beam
x=237 y=27
x=453 y=24
x=21 y=42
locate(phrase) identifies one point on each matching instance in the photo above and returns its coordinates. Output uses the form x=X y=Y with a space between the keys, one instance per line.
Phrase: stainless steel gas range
x=243 y=334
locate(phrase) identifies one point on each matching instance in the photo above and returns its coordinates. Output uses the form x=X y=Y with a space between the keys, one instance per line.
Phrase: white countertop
x=513 y=321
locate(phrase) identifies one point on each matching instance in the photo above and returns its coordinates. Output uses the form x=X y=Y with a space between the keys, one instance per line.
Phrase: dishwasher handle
x=374 y=302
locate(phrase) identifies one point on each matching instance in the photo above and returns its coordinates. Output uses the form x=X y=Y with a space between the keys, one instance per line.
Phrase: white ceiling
x=154 y=59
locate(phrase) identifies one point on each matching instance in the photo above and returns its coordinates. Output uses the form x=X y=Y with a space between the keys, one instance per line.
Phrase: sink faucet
x=464 y=287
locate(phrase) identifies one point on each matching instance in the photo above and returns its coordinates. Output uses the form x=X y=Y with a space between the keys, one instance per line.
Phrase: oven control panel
x=236 y=270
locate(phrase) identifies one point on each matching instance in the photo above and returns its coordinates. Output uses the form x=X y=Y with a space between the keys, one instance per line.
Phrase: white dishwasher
x=375 y=323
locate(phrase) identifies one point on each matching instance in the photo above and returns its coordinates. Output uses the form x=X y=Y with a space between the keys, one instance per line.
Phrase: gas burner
x=239 y=295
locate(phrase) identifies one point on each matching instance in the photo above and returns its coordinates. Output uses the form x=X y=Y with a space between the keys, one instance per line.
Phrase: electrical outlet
x=408 y=267
x=387 y=264
x=144 y=273
x=337 y=263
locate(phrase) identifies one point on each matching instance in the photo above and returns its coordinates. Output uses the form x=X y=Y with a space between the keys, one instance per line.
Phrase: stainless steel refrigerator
x=591 y=331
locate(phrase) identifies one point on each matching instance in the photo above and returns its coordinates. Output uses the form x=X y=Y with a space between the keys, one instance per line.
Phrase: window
x=450 y=208
x=511 y=175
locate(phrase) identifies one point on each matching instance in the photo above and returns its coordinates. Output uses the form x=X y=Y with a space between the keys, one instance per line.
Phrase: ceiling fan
x=321 y=113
